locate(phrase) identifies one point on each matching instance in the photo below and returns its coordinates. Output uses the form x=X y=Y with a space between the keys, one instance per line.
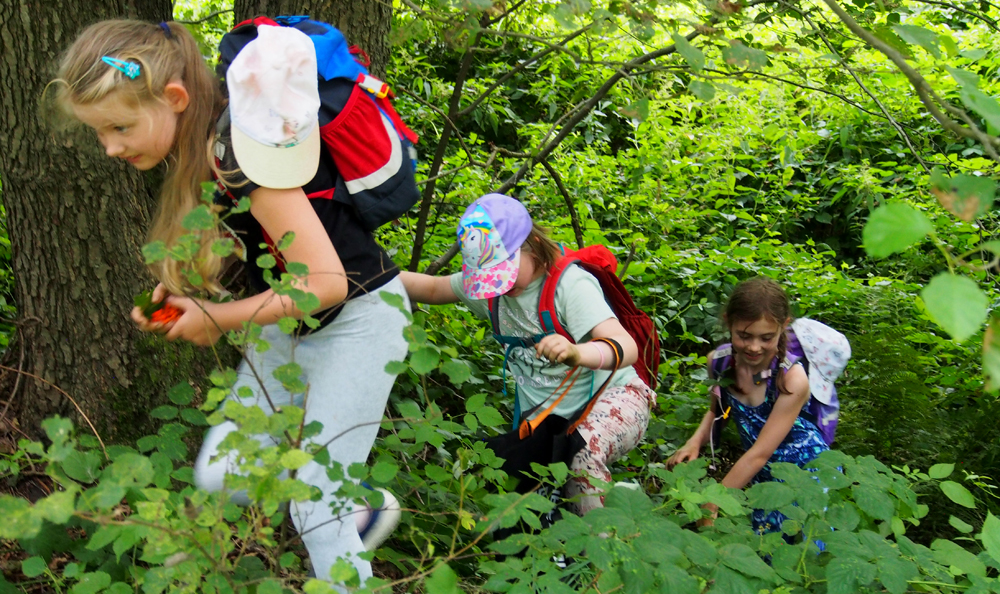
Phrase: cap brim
x=487 y=283
x=278 y=168
x=821 y=388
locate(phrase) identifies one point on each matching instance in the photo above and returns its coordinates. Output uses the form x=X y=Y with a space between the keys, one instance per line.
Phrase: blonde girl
x=148 y=94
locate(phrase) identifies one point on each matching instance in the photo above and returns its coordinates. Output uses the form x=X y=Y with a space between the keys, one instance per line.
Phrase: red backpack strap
x=547 y=299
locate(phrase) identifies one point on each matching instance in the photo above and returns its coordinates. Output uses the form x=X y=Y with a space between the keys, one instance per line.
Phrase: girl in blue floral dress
x=762 y=390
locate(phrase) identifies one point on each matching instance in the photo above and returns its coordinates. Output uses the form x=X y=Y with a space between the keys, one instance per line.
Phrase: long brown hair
x=543 y=250
x=756 y=298
x=165 y=53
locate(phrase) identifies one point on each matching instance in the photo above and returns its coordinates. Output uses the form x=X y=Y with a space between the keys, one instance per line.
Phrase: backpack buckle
x=373 y=85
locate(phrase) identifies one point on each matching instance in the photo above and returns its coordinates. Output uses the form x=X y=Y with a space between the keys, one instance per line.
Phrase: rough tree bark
x=364 y=22
x=76 y=221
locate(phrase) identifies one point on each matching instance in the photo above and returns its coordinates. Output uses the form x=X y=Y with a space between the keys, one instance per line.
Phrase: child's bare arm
x=424 y=288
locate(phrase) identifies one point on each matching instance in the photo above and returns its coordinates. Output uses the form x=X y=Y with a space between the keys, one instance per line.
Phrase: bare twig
x=982 y=17
x=924 y=91
x=574 y=216
x=68 y=397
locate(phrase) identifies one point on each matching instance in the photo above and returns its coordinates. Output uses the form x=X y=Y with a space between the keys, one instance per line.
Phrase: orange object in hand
x=166 y=314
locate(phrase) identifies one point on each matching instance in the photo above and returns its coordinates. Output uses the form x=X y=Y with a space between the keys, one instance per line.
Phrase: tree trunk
x=365 y=23
x=76 y=221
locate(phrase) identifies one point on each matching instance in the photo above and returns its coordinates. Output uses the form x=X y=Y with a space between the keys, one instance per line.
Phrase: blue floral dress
x=802 y=445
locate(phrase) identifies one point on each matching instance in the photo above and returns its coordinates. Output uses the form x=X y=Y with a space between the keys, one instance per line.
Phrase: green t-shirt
x=580 y=306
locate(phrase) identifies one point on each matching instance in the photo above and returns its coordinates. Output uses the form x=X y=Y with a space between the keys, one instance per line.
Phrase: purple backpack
x=824 y=353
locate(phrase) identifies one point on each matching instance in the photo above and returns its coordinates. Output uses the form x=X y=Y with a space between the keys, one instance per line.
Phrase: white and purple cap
x=491 y=233
x=827 y=351
x=274 y=105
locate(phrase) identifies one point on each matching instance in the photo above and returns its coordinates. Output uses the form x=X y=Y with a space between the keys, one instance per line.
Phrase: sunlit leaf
x=893 y=228
x=956 y=303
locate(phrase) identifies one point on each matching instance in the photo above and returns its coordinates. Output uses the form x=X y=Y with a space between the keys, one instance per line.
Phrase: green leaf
x=991 y=355
x=925 y=38
x=181 y=394
x=414 y=334
x=199 y=219
x=91 y=583
x=738 y=54
x=490 y=417
x=223 y=247
x=744 y=560
x=991 y=536
x=873 y=502
x=895 y=573
x=965 y=196
x=129 y=470
x=847 y=575
x=266 y=261
x=958 y=494
x=843 y=516
x=395 y=367
x=960 y=525
x=165 y=412
x=33 y=567
x=242 y=205
x=288 y=325
x=286 y=241
x=383 y=471
x=950 y=554
x=702 y=89
x=194 y=417
x=58 y=507
x=425 y=359
x=296 y=268
x=443 y=580
x=956 y=303
x=692 y=55
x=893 y=228
x=153 y=252
x=290 y=376
x=940 y=471
x=975 y=99
x=295 y=459
x=82 y=466
x=458 y=371
x=475 y=402
x=637 y=110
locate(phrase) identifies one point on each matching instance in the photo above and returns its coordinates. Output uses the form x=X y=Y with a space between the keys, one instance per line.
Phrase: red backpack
x=600 y=262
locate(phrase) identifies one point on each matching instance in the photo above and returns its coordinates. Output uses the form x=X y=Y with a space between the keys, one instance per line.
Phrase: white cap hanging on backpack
x=274 y=107
x=827 y=352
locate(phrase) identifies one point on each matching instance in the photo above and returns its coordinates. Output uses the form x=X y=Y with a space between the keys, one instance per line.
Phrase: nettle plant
x=954 y=298
x=126 y=519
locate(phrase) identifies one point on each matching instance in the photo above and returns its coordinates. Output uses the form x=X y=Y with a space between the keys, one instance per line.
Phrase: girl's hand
x=687 y=453
x=195 y=326
x=713 y=511
x=558 y=349
x=144 y=323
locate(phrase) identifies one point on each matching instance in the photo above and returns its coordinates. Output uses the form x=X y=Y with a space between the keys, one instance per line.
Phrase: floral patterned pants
x=613 y=428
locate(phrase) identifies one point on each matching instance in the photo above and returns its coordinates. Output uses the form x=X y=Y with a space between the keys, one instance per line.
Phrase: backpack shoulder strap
x=721 y=361
x=547 y=298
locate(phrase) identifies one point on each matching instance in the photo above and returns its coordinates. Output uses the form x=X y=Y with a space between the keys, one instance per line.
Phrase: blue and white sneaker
x=381 y=521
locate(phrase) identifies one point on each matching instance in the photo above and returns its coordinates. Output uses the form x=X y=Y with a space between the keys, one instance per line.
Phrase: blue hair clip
x=129 y=69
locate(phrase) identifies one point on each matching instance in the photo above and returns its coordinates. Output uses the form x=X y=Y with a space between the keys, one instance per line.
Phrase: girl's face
x=755 y=343
x=141 y=134
x=525 y=274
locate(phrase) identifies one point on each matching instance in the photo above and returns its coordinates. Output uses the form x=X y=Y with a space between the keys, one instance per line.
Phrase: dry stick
x=573 y=215
x=521 y=66
x=992 y=24
x=68 y=397
x=428 y=195
x=927 y=96
x=843 y=62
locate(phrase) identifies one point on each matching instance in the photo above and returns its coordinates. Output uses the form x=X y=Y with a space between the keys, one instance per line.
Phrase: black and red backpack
x=370 y=145
x=602 y=264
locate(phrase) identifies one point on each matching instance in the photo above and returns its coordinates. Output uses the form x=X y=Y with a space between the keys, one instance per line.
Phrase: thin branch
x=857 y=79
x=992 y=24
x=521 y=66
x=443 y=260
x=574 y=216
x=924 y=91
x=210 y=16
x=68 y=397
x=506 y=13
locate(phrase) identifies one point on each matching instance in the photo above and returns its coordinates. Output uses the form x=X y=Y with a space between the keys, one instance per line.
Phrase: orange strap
x=528 y=426
x=619 y=353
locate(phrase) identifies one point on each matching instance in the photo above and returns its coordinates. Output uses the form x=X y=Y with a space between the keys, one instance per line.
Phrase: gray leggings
x=343 y=365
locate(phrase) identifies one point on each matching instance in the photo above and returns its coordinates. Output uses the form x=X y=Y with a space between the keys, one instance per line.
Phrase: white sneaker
x=381 y=521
